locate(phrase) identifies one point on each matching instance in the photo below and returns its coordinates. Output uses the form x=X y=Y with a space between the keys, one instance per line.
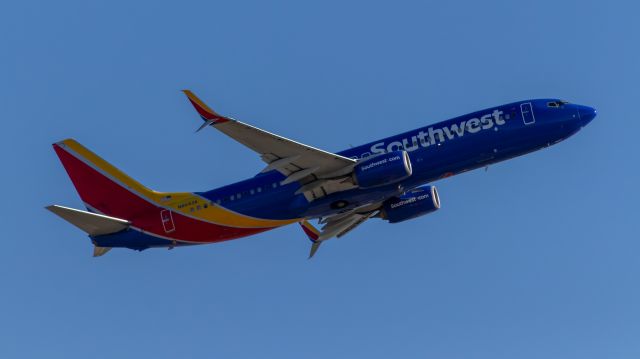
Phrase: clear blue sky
x=537 y=258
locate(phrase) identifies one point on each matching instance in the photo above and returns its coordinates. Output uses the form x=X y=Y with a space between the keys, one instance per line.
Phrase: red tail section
x=100 y=185
x=107 y=190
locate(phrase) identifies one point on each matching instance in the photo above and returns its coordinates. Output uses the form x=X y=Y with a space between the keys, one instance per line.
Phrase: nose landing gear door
x=527 y=113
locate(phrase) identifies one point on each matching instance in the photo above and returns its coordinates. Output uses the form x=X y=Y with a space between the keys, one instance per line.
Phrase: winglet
x=313 y=235
x=309 y=230
x=208 y=115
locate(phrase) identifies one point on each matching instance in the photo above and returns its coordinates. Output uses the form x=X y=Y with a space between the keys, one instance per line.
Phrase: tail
x=157 y=218
x=102 y=187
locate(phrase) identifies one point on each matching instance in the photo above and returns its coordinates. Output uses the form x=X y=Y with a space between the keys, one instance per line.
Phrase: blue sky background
x=538 y=257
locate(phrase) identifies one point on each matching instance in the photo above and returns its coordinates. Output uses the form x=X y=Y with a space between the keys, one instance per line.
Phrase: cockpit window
x=556 y=104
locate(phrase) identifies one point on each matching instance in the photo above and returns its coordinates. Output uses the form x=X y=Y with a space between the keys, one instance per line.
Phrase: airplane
x=386 y=179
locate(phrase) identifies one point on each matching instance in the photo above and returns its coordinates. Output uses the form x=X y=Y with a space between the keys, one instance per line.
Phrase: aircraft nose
x=586 y=114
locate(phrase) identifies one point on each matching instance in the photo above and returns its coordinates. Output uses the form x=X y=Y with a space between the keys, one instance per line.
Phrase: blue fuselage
x=436 y=151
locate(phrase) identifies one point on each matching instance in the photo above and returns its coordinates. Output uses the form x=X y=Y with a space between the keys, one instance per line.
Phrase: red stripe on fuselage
x=110 y=198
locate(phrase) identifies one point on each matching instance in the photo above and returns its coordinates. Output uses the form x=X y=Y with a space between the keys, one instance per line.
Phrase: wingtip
x=203 y=110
x=314 y=249
x=309 y=230
x=205 y=124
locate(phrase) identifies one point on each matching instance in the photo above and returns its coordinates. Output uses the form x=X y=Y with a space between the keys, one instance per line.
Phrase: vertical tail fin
x=101 y=186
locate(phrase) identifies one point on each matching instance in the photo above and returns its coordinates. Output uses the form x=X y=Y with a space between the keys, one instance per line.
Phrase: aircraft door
x=527 y=113
x=167 y=221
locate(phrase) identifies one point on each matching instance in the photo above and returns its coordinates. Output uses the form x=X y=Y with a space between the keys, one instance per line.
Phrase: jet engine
x=382 y=169
x=416 y=203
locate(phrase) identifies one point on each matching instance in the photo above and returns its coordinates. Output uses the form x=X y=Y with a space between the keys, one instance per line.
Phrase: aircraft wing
x=337 y=225
x=318 y=171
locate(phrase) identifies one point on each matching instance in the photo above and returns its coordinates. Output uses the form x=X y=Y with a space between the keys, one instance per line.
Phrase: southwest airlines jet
x=386 y=179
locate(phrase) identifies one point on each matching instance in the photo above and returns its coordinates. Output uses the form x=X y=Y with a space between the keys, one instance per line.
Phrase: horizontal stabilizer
x=100 y=251
x=91 y=223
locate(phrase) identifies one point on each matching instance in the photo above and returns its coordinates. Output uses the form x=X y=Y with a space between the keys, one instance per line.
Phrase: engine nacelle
x=382 y=169
x=418 y=202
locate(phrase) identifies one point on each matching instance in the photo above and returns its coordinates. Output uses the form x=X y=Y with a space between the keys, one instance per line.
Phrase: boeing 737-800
x=386 y=179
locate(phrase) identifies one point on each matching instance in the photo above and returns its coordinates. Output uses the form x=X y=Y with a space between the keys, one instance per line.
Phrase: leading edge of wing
x=271 y=147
